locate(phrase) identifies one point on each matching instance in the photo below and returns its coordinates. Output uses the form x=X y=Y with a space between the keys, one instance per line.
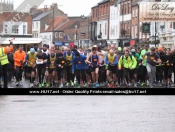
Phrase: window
x=136 y=13
x=60 y=34
x=107 y=9
x=105 y=29
x=133 y=34
x=114 y=30
x=93 y=13
x=32 y=25
x=15 y=29
x=135 y=31
x=103 y=9
x=24 y=29
x=96 y=12
x=173 y=25
x=128 y=7
x=36 y=24
x=5 y=28
x=132 y=13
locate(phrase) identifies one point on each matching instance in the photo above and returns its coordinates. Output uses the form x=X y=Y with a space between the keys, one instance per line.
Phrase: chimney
x=45 y=8
x=32 y=10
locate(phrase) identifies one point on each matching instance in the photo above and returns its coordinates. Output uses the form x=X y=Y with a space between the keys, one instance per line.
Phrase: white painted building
x=47 y=37
x=102 y=26
x=36 y=29
x=18 y=28
x=114 y=27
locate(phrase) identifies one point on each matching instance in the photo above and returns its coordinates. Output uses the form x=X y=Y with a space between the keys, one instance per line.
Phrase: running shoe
x=142 y=84
x=31 y=85
x=17 y=83
x=85 y=85
x=47 y=85
x=115 y=86
x=94 y=86
x=150 y=85
x=78 y=86
x=40 y=85
x=127 y=85
x=67 y=84
x=72 y=84
x=135 y=85
x=109 y=85
x=147 y=83
x=61 y=86
x=97 y=85
x=20 y=83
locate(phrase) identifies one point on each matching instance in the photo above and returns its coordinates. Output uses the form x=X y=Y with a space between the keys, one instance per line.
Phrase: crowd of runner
x=110 y=66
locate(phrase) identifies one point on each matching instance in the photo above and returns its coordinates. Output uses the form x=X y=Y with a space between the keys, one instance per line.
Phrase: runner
x=129 y=63
x=68 y=55
x=159 y=67
x=19 y=59
x=111 y=60
x=152 y=60
x=136 y=69
x=50 y=68
x=78 y=63
x=60 y=64
x=31 y=66
x=41 y=60
x=94 y=66
x=168 y=67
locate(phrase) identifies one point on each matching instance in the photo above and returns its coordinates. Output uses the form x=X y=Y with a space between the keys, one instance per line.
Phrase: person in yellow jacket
x=4 y=61
x=129 y=62
x=31 y=65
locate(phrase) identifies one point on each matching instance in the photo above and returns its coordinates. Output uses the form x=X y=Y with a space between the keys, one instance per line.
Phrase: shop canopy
x=21 y=40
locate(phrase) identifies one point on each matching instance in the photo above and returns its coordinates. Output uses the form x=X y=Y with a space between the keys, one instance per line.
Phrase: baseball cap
x=72 y=45
x=32 y=50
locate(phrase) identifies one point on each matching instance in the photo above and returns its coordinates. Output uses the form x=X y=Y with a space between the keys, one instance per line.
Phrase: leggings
x=18 y=73
x=41 y=72
x=101 y=74
x=83 y=75
x=131 y=74
x=168 y=72
x=119 y=74
x=143 y=73
x=70 y=76
x=159 y=73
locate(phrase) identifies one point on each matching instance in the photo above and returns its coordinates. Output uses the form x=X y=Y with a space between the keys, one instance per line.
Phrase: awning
x=21 y=40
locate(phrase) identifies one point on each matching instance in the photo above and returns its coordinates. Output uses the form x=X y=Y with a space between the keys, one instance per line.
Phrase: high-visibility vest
x=32 y=58
x=3 y=57
x=52 y=59
x=69 y=58
x=111 y=58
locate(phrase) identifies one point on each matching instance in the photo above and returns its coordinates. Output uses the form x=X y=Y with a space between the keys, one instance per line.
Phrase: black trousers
x=159 y=73
x=70 y=76
x=41 y=72
x=102 y=74
x=19 y=71
x=83 y=74
x=4 y=73
x=10 y=74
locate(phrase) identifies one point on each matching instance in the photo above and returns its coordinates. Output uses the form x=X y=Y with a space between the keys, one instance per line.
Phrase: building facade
x=114 y=27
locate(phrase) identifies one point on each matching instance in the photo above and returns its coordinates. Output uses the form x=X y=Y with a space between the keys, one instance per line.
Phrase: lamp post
x=76 y=32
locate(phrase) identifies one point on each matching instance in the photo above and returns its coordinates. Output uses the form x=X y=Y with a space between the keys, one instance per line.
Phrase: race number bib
x=152 y=58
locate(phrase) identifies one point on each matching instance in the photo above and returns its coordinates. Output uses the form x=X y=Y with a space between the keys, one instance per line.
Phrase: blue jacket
x=115 y=60
x=78 y=63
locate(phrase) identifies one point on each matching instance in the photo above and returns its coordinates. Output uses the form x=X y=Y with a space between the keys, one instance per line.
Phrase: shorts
x=136 y=71
x=50 y=70
x=31 y=69
x=60 y=73
x=88 y=71
x=93 y=68
x=112 y=69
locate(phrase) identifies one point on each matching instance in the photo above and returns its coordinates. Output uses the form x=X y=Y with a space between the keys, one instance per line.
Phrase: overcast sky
x=71 y=7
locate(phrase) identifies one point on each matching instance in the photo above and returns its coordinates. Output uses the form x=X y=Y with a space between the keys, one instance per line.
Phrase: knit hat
x=32 y=50
x=119 y=49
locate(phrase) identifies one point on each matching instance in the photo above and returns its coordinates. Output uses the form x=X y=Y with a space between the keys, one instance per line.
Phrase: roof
x=103 y=1
x=67 y=24
x=94 y=6
x=37 y=14
x=57 y=21
x=42 y=15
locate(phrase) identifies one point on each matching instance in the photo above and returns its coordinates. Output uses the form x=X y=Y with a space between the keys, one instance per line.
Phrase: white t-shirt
x=102 y=56
x=47 y=52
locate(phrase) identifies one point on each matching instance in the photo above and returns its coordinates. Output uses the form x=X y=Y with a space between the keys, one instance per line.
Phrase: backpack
x=129 y=55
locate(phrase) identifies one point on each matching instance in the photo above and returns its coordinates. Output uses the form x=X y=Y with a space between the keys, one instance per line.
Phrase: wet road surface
x=87 y=114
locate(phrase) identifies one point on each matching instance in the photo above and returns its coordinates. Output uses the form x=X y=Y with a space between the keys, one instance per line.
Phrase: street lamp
x=76 y=32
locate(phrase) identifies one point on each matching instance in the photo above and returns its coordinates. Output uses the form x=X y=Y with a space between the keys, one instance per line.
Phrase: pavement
x=87 y=114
